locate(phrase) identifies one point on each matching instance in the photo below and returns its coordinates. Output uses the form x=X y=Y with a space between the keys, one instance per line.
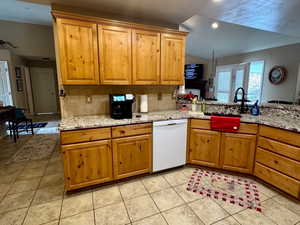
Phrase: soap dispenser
x=254 y=110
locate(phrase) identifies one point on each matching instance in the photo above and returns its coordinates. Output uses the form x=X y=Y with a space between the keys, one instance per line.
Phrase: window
x=255 y=80
x=247 y=75
x=5 y=91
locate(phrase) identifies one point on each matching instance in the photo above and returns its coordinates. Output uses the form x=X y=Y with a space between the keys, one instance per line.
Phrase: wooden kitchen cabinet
x=78 y=54
x=145 y=57
x=115 y=54
x=87 y=163
x=132 y=155
x=172 y=59
x=237 y=152
x=204 y=147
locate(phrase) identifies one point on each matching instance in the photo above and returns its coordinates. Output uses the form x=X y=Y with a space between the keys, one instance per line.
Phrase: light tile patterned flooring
x=32 y=193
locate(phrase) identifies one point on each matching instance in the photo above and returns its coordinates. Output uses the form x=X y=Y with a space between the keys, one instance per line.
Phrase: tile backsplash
x=75 y=103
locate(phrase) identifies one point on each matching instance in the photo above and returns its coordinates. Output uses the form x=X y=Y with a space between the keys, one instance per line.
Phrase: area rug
x=231 y=189
x=40 y=146
x=34 y=125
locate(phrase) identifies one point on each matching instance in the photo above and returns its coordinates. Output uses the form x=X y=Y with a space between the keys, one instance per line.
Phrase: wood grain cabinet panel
x=237 y=152
x=146 y=57
x=84 y=135
x=115 y=54
x=280 y=163
x=132 y=156
x=131 y=130
x=87 y=164
x=285 y=183
x=204 y=147
x=279 y=148
x=78 y=46
x=280 y=135
x=172 y=59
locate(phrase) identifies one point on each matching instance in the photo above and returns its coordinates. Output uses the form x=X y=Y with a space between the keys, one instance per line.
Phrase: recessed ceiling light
x=215 y=25
x=216 y=0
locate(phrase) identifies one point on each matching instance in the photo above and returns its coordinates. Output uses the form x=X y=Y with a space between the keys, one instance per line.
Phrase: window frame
x=233 y=68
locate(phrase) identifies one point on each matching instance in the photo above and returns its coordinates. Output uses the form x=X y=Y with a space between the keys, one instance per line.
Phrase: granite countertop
x=81 y=122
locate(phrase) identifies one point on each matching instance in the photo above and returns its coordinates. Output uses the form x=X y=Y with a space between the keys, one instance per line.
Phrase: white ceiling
x=25 y=12
x=229 y=39
x=279 y=16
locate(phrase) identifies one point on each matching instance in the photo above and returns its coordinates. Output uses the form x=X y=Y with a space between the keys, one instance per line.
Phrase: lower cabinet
x=237 y=152
x=229 y=151
x=87 y=163
x=204 y=147
x=132 y=155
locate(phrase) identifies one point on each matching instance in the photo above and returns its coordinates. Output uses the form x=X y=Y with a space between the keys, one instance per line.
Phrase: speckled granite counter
x=82 y=122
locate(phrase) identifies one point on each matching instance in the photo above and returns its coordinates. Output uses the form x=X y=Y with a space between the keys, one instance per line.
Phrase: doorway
x=44 y=90
x=5 y=88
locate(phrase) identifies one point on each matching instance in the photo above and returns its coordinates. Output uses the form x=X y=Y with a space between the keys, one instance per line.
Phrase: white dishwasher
x=169 y=144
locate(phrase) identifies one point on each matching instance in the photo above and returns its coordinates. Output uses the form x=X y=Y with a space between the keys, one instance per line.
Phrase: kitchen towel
x=225 y=124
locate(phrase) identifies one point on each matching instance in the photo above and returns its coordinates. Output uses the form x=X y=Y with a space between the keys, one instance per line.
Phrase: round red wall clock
x=277 y=74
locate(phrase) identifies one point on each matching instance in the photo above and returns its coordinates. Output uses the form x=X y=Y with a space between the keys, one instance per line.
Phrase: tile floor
x=32 y=193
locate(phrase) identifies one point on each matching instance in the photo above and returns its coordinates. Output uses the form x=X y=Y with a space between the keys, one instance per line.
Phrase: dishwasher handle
x=169 y=124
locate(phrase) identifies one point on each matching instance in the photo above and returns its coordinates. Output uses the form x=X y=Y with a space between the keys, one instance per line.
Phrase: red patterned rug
x=234 y=190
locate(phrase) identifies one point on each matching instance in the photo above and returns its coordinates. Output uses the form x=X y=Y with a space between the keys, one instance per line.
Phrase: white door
x=5 y=89
x=43 y=89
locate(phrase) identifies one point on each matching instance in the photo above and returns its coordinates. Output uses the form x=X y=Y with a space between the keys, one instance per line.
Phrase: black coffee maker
x=121 y=106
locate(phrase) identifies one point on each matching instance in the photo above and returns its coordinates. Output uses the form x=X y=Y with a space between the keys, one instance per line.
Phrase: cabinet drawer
x=280 y=135
x=130 y=130
x=280 y=148
x=283 y=182
x=246 y=128
x=287 y=166
x=77 y=136
x=200 y=124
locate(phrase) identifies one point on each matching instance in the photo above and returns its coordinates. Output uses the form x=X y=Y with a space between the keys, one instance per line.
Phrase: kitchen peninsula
x=266 y=146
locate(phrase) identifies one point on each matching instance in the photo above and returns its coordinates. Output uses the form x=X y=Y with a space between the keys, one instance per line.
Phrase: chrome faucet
x=243 y=109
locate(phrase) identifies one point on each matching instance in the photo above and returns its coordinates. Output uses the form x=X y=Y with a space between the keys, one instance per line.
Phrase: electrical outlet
x=89 y=99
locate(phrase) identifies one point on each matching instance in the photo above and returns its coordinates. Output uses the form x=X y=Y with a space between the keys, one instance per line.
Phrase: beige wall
x=32 y=40
x=287 y=56
x=75 y=104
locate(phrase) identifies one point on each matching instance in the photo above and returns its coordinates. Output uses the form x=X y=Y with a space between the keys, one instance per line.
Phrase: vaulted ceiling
x=259 y=23
x=280 y=16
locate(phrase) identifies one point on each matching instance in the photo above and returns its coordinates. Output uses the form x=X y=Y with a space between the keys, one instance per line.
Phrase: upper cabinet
x=172 y=59
x=145 y=57
x=93 y=51
x=115 y=54
x=78 y=54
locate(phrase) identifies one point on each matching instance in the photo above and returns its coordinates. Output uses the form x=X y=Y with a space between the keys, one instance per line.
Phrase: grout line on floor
x=94 y=213
x=154 y=201
x=123 y=201
x=35 y=193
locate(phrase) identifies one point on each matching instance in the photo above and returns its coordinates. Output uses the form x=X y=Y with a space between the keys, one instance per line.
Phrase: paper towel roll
x=144 y=104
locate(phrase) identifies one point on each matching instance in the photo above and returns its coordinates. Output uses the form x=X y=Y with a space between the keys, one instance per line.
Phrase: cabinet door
x=132 y=156
x=237 y=152
x=172 y=59
x=115 y=54
x=146 y=57
x=78 y=50
x=87 y=163
x=204 y=147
